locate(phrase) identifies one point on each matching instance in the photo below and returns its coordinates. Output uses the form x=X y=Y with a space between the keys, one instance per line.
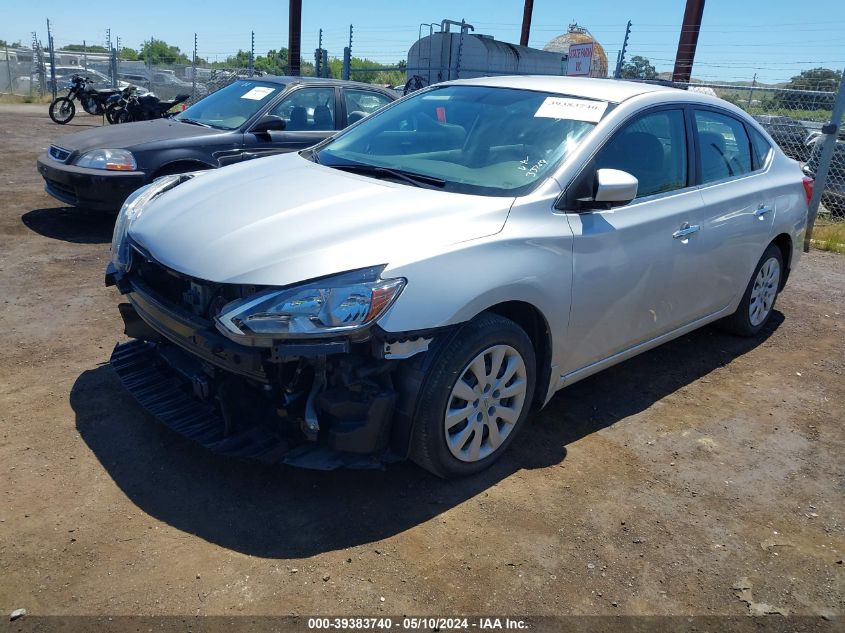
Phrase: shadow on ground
x=71 y=224
x=282 y=512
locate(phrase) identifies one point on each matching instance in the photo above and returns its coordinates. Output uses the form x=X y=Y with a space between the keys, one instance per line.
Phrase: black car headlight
x=331 y=306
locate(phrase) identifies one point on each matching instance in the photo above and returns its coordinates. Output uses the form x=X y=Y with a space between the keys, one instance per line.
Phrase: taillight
x=808 y=188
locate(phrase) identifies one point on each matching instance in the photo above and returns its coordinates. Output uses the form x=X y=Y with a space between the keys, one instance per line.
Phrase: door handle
x=686 y=230
x=762 y=210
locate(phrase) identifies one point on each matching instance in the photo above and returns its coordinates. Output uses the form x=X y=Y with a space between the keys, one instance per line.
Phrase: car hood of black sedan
x=130 y=135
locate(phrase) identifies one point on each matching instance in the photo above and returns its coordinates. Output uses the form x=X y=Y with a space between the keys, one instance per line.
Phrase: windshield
x=481 y=140
x=230 y=107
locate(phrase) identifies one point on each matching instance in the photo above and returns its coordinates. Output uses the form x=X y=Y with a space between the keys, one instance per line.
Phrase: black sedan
x=250 y=118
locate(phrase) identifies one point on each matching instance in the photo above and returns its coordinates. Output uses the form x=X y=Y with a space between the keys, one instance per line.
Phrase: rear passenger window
x=724 y=145
x=653 y=149
x=761 y=148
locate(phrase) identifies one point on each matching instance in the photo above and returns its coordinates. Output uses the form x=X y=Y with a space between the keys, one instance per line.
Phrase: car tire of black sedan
x=758 y=302
x=475 y=397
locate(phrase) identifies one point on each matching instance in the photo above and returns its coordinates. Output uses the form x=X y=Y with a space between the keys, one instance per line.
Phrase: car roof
x=290 y=79
x=612 y=90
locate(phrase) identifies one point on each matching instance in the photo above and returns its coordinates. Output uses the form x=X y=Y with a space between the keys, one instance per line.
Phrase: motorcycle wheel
x=112 y=113
x=91 y=106
x=62 y=110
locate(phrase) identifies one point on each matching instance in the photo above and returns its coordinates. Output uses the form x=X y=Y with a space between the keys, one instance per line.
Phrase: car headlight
x=131 y=211
x=334 y=305
x=110 y=159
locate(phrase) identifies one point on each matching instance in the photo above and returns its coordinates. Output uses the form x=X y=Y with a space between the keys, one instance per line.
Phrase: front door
x=310 y=115
x=636 y=266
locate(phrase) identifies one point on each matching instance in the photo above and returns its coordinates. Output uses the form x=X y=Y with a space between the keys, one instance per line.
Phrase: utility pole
x=9 y=69
x=294 y=36
x=347 y=57
x=53 y=86
x=85 y=54
x=620 y=61
x=318 y=56
x=194 y=72
x=688 y=41
x=115 y=60
x=252 y=56
x=527 y=10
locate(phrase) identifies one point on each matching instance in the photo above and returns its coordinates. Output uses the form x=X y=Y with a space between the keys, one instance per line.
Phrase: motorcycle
x=144 y=107
x=117 y=103
x=93 y=101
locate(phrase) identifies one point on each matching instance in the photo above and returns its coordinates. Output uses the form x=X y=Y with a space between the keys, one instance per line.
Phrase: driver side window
x=653 y=149
x=307 y=110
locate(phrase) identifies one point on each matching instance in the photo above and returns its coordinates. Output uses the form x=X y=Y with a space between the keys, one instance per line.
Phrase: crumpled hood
x=281 y=220
x=129 y=135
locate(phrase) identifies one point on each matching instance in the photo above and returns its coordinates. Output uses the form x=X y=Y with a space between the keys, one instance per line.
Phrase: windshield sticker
x=258 y=93
x=572 y=109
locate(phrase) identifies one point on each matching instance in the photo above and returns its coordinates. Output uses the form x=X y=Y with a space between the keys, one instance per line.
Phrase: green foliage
x=816 y=79
x=638 y=68
x=160 y=52
x=364 y=70
x=275 y=62
x=129 y=54
x=90 y=48
x=4 y=43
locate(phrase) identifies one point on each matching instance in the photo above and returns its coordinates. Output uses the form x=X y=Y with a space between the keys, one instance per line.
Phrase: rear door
x=310 y=114
x=359 y=103
x=739 y=207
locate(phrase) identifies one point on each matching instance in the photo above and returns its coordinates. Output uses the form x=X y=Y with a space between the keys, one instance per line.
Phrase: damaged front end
x=344 y=399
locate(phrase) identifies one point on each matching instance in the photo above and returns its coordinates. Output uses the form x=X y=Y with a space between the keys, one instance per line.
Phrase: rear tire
x=62 y=110
x=475 y=397
x=758 y=302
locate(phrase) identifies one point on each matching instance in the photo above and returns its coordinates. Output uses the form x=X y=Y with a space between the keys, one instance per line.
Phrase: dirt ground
x=705 y=477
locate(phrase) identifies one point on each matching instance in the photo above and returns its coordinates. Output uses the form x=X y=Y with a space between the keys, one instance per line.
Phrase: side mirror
x=268 y=123
x=615 y=187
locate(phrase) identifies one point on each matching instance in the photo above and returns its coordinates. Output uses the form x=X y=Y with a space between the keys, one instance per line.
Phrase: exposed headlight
x=110 y=159
x=334 y=305
x=131 y=211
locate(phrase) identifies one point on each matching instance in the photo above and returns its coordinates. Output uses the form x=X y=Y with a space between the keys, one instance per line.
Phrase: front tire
x=475 y=397
x=62 y=110
x=758 y=302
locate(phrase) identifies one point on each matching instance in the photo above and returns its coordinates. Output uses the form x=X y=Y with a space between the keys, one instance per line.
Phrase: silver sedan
x=417 y=284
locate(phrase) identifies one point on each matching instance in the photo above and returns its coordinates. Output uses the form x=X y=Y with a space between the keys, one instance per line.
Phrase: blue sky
x=775 y=39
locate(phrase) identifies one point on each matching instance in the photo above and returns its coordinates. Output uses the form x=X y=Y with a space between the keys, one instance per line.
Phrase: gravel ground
x=705 y=477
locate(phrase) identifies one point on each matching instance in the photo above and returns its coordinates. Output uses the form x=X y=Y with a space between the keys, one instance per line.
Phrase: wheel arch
x=534 y=324
x=784 y=243
x=180 y=166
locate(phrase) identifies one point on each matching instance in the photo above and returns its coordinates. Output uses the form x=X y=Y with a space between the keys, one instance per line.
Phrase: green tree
x=160 y=52
x=638 y=68
x=813 y=81
x=129 y=54
x=90 y=48
x=4 y=43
